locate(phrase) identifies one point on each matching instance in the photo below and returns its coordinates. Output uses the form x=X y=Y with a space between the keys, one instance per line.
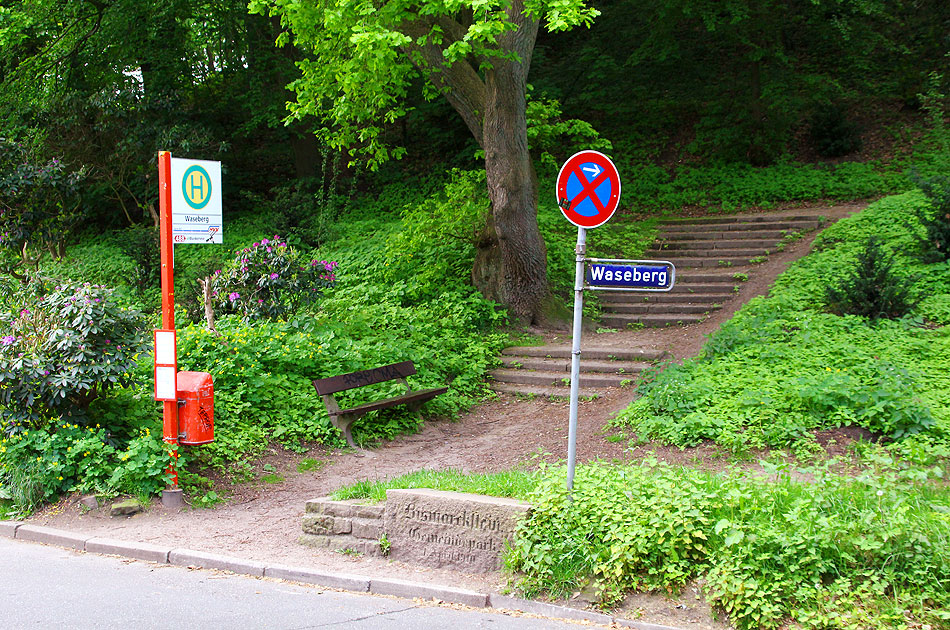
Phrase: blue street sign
x=655 y=277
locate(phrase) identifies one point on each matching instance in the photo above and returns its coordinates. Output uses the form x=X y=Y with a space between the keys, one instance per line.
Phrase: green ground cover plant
x=397 y=297
x=401 y=291
x=785 y=365
x=516 y=484
x=837 y=552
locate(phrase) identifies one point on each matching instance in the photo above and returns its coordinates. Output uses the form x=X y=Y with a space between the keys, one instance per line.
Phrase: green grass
x=514 y=484
x=309 y=464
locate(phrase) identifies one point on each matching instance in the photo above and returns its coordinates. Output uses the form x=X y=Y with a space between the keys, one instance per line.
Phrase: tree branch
x=461 y=85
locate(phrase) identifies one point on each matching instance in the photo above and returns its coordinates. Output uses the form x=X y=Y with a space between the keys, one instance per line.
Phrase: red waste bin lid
x=193 y=381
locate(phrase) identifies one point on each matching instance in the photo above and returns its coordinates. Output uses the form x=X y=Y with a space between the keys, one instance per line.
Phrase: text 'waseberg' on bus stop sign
x=196 y=201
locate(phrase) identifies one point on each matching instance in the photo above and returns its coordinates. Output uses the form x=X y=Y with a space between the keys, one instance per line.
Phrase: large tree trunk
x=511 y=263
x=511 y=267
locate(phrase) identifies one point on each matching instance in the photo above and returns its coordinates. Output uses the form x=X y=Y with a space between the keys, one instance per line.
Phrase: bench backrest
x=344 y=382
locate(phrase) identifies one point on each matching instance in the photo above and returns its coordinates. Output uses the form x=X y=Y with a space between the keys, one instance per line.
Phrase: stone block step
x=669 y=308
x=718 y=235
x=545 y=364
x=692 y=288
x=797 y=226
x=741 y=219
x=706 y=252
x=600 y=354
x=706 y=277
x=649 y=320
x=666 y=247
x=671 y=298
x=558 y=379
x=559 y=393
x=720 y=262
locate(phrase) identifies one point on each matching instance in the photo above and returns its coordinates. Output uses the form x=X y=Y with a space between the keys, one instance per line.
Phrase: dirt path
x=262 y=521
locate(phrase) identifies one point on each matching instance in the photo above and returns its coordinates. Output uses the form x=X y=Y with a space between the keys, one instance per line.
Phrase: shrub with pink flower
x=270 y=279
x=67 y=346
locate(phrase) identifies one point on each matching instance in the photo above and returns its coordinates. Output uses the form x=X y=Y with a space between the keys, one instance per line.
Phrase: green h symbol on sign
x=196 y=187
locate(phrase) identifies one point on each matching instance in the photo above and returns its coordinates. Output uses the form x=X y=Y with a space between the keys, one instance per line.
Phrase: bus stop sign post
x=189 y=212
x=172 y=495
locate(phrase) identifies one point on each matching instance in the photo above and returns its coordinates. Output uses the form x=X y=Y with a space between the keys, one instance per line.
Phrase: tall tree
x=364 y=58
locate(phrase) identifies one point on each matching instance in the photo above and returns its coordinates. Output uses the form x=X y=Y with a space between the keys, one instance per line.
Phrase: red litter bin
x=195 y=408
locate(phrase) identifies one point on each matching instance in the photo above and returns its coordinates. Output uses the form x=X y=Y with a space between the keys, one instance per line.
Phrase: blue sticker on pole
x=656 y=277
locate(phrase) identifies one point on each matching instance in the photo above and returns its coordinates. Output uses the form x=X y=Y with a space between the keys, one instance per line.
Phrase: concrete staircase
x=713 y=257
x=546 y=370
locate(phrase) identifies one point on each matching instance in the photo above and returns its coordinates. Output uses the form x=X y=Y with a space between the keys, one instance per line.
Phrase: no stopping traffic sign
x=588 y=189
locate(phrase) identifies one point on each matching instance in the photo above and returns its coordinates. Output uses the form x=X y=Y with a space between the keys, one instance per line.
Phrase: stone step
x=559 y=393
x=666 y=247
x=601 y=354
x=775 y=236
x=720 y=262
x=558 y=379
x=670 y=298
x=692 y=288
x=544 y=364
x=669 y=308
x=793 y=226
x=742 y=219
x=649 y=320
x=706 y=252
x=706 y=277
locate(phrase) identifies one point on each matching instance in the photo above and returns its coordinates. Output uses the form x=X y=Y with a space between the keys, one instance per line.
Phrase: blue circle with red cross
x=588 y=189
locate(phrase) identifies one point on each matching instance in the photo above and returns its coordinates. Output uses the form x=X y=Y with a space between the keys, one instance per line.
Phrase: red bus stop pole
x=171 y=496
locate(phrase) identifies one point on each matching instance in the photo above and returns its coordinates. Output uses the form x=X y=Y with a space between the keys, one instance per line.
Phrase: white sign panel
x=166 y=365
x=165 y=347
x=166 y=383
x=196 y=201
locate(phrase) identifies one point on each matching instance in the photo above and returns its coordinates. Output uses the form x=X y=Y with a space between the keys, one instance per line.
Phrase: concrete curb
x=504 y=602
x=342 y=581
x=404 y=588
x=8 y=528
x=139 y=551
x=50 y=536
x=203 y=560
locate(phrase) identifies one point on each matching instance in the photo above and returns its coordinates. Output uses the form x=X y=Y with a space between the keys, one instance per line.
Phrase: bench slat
x=334 y=384
x=405 y=399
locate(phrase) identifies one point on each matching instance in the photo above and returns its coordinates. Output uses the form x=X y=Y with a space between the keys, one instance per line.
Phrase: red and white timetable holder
x=166 y=365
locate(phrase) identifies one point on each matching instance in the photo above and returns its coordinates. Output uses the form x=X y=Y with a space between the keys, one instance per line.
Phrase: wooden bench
x=343 y=418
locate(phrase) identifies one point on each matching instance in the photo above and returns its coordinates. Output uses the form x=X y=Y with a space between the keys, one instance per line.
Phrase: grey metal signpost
x=588 y=192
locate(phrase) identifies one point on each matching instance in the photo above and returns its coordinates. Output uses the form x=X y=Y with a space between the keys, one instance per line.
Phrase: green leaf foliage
x=364 y=61
x=68 y=344
x=783 y=366
x=859 y=553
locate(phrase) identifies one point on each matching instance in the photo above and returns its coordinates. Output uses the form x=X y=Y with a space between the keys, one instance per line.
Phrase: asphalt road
x=49 y=587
